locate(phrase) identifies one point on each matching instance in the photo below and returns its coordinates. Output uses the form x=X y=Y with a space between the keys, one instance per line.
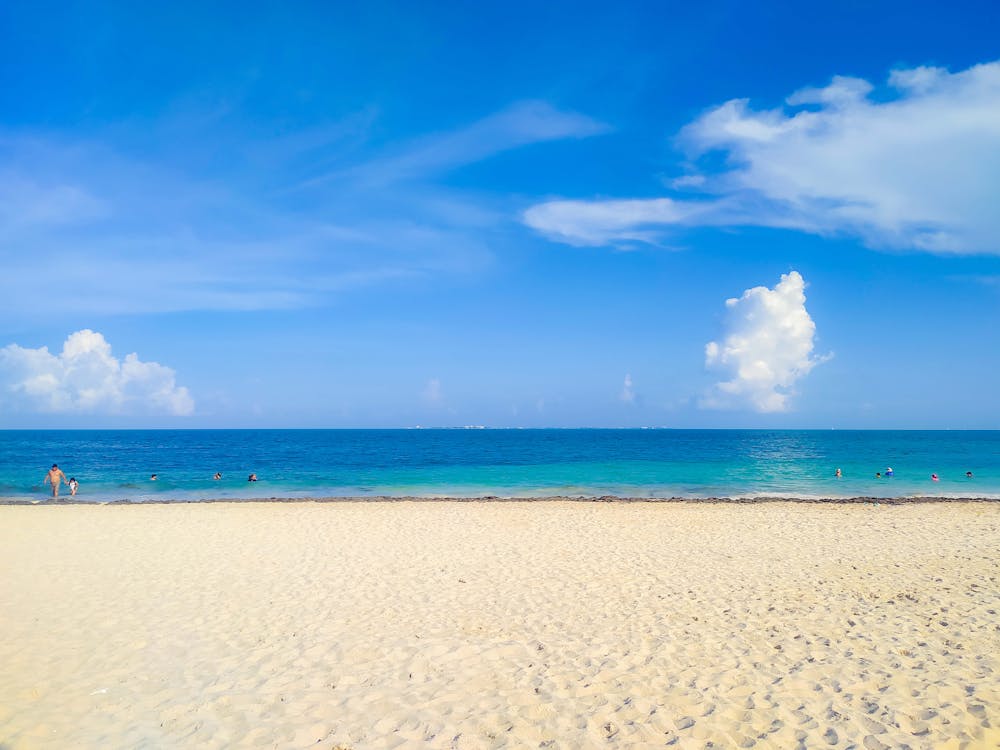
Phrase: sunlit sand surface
x=482 y=625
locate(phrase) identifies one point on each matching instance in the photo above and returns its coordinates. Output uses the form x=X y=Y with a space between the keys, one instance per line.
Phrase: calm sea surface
x=117 y=464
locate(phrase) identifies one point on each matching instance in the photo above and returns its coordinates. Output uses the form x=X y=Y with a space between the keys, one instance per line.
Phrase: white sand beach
x=489 y=625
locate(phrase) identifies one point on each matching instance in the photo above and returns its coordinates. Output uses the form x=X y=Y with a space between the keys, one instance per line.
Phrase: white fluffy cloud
x=767 y=347
x=606 y=222
x=915 y=167
x=87 y=378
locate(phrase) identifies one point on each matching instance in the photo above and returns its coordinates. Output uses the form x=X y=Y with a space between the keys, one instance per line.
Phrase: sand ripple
x=446 y=625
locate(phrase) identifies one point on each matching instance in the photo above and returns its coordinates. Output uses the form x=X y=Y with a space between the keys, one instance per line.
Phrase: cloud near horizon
x=767 y=347
x=433 y=393
x=917 y=167
x=628 y=390
x=85 y=377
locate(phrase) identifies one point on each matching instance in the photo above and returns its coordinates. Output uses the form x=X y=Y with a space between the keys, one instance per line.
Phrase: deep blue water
x=117 y=464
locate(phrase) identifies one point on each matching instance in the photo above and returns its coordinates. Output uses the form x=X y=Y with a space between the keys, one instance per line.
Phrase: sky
x=567 y=214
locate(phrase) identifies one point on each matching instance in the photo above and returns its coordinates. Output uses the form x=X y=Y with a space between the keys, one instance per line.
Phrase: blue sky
x=390 y=214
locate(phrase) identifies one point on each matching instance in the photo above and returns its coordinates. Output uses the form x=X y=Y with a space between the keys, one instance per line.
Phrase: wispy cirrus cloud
x=916 y=167
x=608 y=222
x=119 y=224
x=24 y=202
x=522 y=124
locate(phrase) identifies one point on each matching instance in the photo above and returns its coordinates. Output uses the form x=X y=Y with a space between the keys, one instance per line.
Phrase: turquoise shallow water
x=117 y=464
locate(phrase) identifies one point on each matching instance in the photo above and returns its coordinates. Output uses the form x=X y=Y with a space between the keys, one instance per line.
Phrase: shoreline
x=487 y=499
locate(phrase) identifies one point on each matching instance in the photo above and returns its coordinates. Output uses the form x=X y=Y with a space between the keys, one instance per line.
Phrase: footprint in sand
x=830 y=735
x=872 y=743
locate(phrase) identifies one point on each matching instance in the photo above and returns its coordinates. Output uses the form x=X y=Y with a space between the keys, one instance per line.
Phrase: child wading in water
x=73 y=484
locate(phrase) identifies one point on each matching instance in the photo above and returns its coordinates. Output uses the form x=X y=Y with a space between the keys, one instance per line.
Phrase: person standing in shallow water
x=54 y=477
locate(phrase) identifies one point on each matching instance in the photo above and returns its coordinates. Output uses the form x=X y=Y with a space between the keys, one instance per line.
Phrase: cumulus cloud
x=85 y=377
x=913 y=166
x=628 y=391
x=767 y=347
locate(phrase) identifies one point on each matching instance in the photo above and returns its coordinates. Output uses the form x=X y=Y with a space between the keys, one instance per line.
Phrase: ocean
x=116 y=465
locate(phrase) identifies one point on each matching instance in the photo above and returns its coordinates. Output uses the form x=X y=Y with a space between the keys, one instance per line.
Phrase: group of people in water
x=889 y=473
x=57 y=478
x=217 y=477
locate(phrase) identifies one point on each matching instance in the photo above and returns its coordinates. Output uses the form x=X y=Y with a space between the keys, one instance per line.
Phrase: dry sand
x=466 y=625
